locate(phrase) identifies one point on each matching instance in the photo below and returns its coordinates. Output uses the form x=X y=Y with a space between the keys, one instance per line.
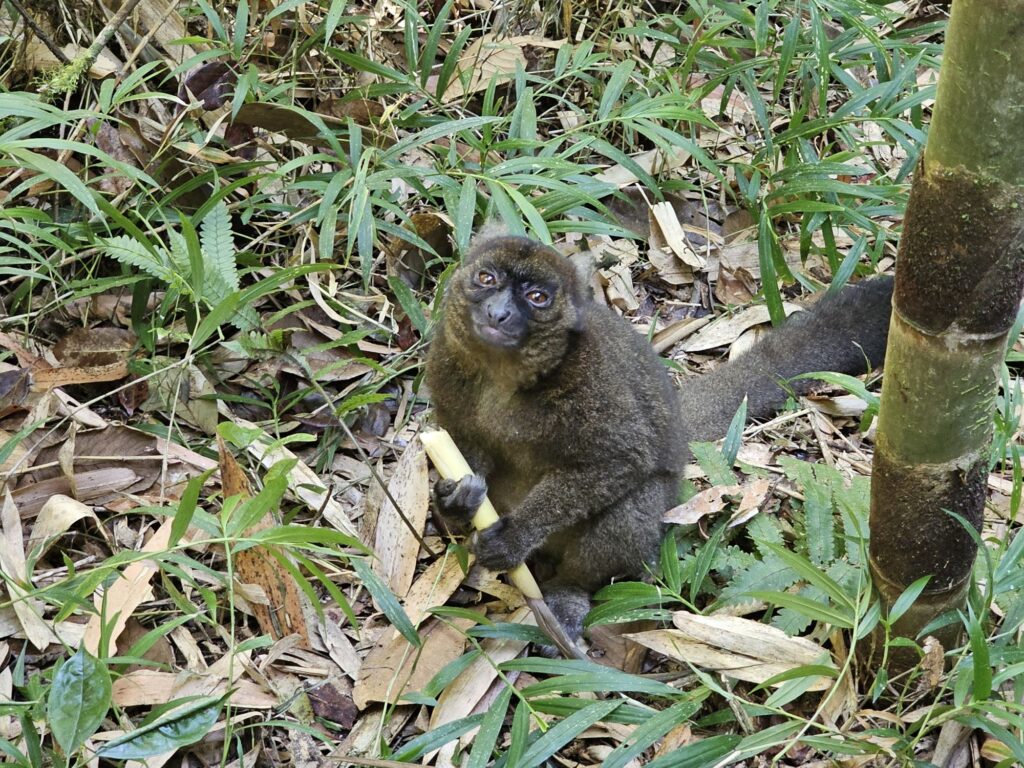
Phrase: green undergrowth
x=215 y=239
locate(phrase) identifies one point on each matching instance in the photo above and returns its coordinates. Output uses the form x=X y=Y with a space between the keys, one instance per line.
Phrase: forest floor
x=222 y=244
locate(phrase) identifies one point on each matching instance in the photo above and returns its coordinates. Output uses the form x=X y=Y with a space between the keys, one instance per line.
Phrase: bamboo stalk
x=452 y=465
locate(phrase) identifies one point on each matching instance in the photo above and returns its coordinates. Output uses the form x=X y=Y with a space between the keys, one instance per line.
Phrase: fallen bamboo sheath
x=452 y=465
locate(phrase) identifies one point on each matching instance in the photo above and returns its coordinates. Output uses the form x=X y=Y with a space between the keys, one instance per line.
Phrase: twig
x=40 y=32
x=93 y=51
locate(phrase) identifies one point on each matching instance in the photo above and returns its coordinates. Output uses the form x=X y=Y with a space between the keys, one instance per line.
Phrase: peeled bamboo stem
x=452 y=465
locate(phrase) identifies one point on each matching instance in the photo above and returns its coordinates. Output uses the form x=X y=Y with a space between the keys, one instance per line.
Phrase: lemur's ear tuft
x=491 y=228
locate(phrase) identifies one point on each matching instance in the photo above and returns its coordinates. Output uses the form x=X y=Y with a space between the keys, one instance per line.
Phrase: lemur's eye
x=537 y=297
x=485 y=278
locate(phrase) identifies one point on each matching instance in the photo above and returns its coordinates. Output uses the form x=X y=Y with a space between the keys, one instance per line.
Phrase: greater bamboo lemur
x=572 y=424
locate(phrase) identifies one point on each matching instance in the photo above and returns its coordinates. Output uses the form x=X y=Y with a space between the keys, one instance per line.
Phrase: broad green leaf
x=178 y=728
x=78 y=701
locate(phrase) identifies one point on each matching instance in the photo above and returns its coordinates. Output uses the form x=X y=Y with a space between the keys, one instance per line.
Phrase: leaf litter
x=224 y=579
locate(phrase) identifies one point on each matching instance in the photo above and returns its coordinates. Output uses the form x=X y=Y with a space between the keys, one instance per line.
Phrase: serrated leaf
x=129 y=251
x=218 y=245
x=812 y=575
x=713 y=463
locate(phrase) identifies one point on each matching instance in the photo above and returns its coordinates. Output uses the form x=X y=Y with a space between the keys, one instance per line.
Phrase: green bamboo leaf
x=699 y=754
x=434 y=132
x=490 y=729
x=567 y=730
x=981 y=666
x=187 y=507
x=908 y=598
x=437 y=738
x=613 y=91
x=387 y=601
x=78 y=701
x=409 y=304
x=734 y=435
x=56 y=171
x=805 y=606
x=649 y=732
x=465 y=213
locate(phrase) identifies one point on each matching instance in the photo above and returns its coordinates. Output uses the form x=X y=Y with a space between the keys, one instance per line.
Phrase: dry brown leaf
x=160 y=652
x=435 y=585
x=44 y=379
x=89 y=347
x=670 y=268
x=755 y=490
x=672 y=334
x=745 y=256
x=124 y=596
x=708 y=502
x=91 y=485
x=302 y=481
x=56 y=517
x=40 y=58
x=13 y=564
x=284 y=612
x=395 y=667
x=838 y=405
x=714 y=499
x=395 y=545
x=490 y=57
x=111 y=447
x=338 y=646
x=667 y=234
x=168 y=29
x=16 y=457
x=463 y=695
x=184 y=391
x=15 y=384
x=747 y=340
x=726 y=330
x=739 y=648
x=151 y=688
x=654 y=161
x=735 y=287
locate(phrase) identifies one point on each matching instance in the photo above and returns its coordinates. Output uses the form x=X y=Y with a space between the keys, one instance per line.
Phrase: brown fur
x=578 y=431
